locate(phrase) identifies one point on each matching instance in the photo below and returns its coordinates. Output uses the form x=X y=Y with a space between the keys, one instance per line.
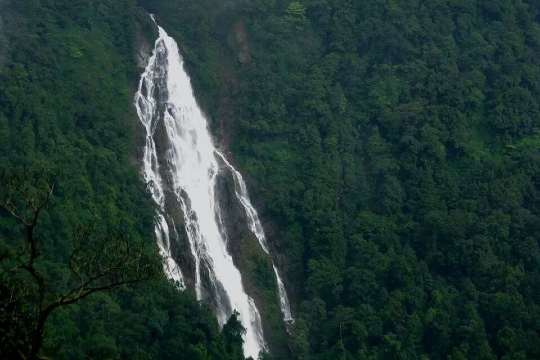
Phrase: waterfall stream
x=256 y=228
x=180 y=166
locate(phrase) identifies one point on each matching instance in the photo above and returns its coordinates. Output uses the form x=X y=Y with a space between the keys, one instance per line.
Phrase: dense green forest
x=394 y=150
x=67 y=82
x=392 y=147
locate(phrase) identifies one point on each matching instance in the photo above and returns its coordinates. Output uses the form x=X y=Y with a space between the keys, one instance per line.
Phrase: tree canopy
x=67 y=82
x=394 y=149
x=392 y=146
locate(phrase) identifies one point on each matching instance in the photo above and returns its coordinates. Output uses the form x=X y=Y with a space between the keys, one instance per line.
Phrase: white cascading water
x=146 y=109
x=256 y=228
x=165 y=100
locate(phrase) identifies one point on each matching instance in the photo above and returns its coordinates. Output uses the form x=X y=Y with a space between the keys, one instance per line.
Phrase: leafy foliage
x=66 y=113
x=393 y=148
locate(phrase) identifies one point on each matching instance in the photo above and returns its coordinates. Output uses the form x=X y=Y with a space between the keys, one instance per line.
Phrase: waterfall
x=256 y=228
x=146 y=109
x=181 y=167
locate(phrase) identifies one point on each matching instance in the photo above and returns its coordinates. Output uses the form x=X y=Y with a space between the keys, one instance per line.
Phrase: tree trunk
x=37 y=336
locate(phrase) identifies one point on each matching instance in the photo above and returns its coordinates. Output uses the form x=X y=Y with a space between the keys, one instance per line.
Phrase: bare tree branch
x=96 y=263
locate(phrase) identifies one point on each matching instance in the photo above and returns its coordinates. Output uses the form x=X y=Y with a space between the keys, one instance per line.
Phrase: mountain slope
x=393 y=147
x=66 y=108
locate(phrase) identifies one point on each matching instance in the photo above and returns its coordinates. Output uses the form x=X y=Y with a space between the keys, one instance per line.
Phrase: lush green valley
x=392 y=148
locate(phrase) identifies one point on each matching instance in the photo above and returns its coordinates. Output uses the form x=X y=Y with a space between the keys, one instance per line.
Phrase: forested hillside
x=391 y=146
x=394 y=148
x=67 y=82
